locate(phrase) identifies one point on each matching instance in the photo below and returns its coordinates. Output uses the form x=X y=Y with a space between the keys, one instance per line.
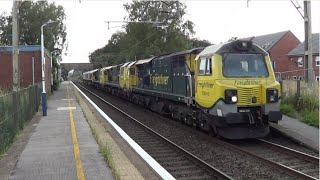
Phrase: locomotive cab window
x=244 y=65
x=132 y=71
x=205 y=66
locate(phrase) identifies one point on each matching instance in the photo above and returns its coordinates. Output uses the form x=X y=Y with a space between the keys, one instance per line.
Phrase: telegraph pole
x=309 y=74
x=15 y=47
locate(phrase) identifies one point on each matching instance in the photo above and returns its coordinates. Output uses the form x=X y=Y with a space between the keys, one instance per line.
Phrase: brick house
x=296 y=56
x=278 y=45
x=26 y=54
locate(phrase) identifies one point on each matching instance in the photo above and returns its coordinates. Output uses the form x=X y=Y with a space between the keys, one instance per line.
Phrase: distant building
x=77 y=67
x=297 y=57
x=278 y=45
x=26 y=54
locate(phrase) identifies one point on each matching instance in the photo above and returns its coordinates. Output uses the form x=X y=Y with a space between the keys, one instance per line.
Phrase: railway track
x=177 y=161
x=295 y=163
x=291 y=162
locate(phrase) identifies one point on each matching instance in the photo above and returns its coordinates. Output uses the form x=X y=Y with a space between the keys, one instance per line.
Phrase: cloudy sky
x=215 y=20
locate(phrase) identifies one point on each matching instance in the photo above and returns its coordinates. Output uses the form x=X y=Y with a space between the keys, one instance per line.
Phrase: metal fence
x=291 y=88
x=16 y=110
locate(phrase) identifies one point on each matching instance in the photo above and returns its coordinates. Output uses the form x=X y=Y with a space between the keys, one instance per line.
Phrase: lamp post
x=44 y=95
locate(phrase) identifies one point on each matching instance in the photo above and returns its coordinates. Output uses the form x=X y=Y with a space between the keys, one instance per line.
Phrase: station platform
x=62 y=145
x=298 y=131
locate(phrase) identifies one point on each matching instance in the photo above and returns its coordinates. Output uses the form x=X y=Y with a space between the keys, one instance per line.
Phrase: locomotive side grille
x=249 y=96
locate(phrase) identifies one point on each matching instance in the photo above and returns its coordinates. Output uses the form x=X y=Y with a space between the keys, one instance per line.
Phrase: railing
x=280 y=74
x=16 y=110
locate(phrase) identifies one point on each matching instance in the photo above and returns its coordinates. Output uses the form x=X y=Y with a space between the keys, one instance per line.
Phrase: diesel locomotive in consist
x=227 y=89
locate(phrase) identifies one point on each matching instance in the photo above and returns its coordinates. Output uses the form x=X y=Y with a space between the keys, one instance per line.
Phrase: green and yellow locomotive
x=227 y=89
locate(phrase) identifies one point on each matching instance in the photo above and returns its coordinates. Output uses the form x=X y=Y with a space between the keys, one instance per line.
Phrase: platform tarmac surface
x=299 y=131
x=62 y=146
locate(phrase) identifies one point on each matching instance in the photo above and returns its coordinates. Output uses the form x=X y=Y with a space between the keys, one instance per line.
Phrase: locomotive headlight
x=230 y=96
x=234 y=99
x=244 y=44
x=272 y=95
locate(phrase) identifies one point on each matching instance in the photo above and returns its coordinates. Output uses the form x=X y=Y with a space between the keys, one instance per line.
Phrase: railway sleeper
x=289 y=161
x=163 y=160
x=301 y=166
x=314 y=171
x=161 y=156
x=180 y=164
x=198 y=172
x=159 y=150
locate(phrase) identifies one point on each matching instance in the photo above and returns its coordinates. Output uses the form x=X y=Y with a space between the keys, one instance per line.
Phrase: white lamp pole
x=44 y=95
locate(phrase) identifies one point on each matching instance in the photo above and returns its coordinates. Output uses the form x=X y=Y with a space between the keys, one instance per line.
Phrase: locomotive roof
x=142 y=61
x=129 y=65
x=210 y=50
x=229 y=47
x=92 y=71
x=125 y=64
x=105 y=68
x=194 y=50
x=190 y=51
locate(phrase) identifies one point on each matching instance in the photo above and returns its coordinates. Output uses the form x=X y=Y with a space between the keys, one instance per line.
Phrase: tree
x=199 y=43
x=174 y=36
x=31 y=16
x=143 y=40
x=233 y=39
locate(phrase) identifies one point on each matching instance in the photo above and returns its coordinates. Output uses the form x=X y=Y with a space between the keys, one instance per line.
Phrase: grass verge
x=288 y=110
x=305 y=108
x=311 y=118
x=106 y=153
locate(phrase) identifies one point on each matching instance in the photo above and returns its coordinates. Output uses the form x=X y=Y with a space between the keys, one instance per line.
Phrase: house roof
x=267 y=41
x=299 y=50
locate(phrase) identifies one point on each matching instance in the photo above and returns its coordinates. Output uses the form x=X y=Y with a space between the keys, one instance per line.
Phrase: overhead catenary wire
x=139 y=42
x=122 y=52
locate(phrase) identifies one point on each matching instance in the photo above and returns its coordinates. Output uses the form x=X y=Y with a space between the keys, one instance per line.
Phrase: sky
x=215 y=20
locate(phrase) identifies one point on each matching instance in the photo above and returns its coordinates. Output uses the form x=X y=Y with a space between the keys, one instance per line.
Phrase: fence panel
x=16 y=110
x=292 y=88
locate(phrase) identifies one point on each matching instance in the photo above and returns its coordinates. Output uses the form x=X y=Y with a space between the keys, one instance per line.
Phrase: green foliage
x=17 y=109
x=33 y=14
x=307 y=102
x=311 y=117
x=306 y=106
x=4 y=91
x=144 y=40
x=233 y=39
x=199 y=43
x=56 y=85
x=287 y=109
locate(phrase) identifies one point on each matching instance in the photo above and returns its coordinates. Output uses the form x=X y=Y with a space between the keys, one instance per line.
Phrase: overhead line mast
x=306 y=15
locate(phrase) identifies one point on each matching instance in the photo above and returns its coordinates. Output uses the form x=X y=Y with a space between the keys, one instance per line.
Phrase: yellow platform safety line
x=76 y=150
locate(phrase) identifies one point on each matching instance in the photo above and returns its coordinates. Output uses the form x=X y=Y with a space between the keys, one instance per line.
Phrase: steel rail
x=300 y=155
x=281 y=167
x=219 y=174
x=292 y=152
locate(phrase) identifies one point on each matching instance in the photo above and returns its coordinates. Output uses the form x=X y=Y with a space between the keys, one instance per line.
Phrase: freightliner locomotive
x=227 y=89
